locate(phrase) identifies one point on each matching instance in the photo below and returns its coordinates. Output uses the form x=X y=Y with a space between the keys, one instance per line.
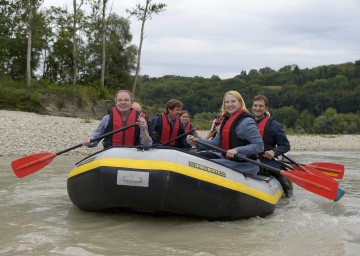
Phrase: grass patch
x=328 y=136
x=15 y=95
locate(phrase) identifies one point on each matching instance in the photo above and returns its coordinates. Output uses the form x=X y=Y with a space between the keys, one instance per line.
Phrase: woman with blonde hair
x=238 y=135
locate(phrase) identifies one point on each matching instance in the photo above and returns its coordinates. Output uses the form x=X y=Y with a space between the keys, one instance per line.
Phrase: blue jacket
x=274 y=139
x=246 y=129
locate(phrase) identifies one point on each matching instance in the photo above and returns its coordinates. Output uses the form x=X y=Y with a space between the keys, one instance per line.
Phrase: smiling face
x=184 y=118
x=231 y=104
x=259 y=109
x=174 y=113
x=123 y=102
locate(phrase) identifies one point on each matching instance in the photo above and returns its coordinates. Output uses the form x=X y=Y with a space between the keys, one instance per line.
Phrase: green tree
x=76 y=15
x=305 y=122
x=324 y=123
x=120 y=53
x=59 y=59
x=287 y=116
x=20 y=45
x=144 y=13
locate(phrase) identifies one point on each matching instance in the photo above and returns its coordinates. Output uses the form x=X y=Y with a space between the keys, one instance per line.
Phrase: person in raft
x=238 y=135
x=123 y=114
x=215 y=127
x=167 y=126
x=275 y=140
x=138 y=107
x=185 y=119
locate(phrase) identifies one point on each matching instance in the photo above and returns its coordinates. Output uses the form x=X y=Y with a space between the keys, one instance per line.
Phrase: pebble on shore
x=24 y=133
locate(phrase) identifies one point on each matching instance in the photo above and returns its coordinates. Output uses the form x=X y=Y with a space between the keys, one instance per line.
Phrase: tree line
x=322 y=100
x=67 y=49
x=86 y=45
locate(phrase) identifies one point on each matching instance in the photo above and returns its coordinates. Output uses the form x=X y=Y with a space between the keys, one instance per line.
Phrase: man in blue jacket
x=167 y=126
x=275 y=140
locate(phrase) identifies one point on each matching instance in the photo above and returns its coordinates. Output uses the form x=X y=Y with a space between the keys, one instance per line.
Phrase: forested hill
x=297 y=97
x=321 y=100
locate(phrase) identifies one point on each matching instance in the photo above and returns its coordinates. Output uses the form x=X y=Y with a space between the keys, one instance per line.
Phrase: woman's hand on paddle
x=191 y=140
x=231 y=152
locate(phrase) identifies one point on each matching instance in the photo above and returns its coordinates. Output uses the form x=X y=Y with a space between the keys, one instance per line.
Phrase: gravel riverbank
x=24 y=133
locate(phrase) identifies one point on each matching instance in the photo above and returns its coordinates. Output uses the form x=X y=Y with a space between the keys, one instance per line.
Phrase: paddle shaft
x=319 y=185
x=181 y=135
x=293 y=162
x=268 y=167
x=96 y=139
x=32 y=163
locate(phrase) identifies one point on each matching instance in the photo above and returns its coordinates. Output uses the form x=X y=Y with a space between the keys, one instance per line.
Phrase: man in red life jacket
x=275 y=140
x=120 y=116
x=167 y=126
x=185 y=119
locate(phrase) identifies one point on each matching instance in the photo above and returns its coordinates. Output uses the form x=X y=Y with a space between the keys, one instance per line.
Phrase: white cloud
x=204 y=37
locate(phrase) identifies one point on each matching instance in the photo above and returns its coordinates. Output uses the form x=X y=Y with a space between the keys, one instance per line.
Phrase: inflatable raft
x=169 y=181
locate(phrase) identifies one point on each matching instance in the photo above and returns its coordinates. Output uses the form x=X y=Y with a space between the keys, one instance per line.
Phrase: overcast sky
x=208 y=37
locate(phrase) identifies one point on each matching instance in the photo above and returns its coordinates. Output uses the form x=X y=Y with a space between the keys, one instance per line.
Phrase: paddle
x=319 y=185
x=29 y=164
x=330 y=169
x=310 y=169
x=181 y=135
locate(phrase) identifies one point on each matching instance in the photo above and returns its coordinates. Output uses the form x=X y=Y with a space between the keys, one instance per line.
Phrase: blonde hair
x=238 y=96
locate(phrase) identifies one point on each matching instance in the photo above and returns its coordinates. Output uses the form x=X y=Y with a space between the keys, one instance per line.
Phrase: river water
x=38 y=218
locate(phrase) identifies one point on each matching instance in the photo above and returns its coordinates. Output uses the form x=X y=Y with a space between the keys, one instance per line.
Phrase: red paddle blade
x=310 y=169
x=325 y=187
x=307 y=168
x=29 y=164
x=331 y=169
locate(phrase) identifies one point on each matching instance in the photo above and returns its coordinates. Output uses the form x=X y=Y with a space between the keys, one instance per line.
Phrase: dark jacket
x=155 y=131
x=274 y=139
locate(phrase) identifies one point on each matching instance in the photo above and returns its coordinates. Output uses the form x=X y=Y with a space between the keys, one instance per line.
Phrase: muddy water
x=38 y=218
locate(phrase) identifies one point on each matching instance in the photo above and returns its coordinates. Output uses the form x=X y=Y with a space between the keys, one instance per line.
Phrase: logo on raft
x=207 y=169
x=85 y=161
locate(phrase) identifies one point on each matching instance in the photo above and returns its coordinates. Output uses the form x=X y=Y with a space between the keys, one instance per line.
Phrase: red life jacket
x=126 y=137
x=187 y=127
x=168 y=132
x=264 y=130
x=261 y=126
x=142 y=114
x=225 y=129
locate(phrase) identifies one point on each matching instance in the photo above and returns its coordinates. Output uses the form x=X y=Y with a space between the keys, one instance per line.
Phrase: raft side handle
x=130 y=178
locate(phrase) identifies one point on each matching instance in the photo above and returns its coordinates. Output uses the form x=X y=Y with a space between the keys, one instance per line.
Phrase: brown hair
x=171 y=104
x=261 y=97
x=185 y=112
